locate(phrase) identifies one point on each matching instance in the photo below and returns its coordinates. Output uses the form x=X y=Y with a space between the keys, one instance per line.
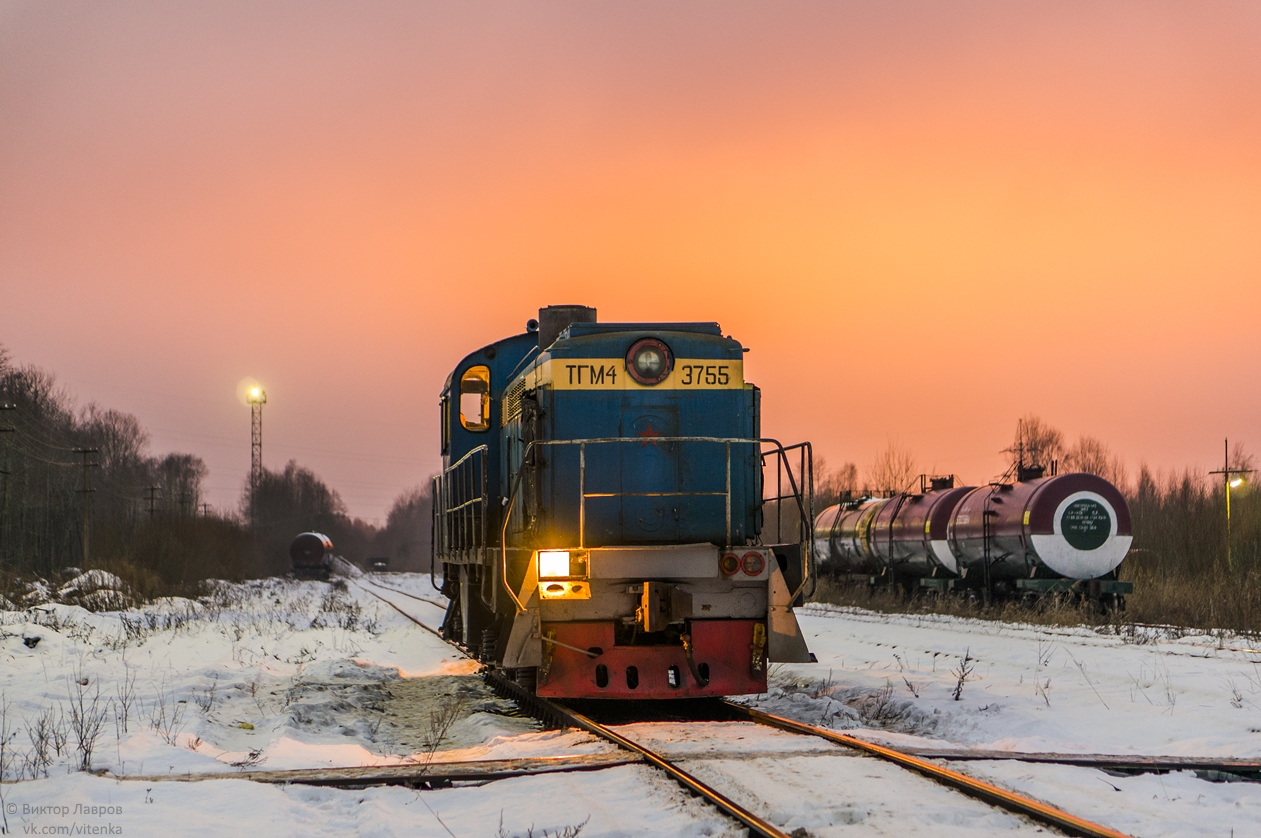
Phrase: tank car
x=1061 y=534
x=312 y=556
x=599 y=518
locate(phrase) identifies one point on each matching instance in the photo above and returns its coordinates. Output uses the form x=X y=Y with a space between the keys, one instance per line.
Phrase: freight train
x=1033 y=536
x=598 y=522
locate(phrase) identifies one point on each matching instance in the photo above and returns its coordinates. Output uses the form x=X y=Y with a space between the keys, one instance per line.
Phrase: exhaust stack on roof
x=555 y=319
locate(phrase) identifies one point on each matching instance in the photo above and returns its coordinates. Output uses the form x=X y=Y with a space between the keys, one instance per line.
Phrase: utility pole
x=153 y=492
x=205 y=510
x=87 y=498
x=1226 y=471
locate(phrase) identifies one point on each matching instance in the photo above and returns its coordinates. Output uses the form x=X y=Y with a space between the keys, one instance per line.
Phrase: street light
x=1231 y=483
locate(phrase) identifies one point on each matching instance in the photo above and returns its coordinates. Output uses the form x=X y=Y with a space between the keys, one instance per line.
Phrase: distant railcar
x=378 y=564
x=599 y=518
x=312 y=556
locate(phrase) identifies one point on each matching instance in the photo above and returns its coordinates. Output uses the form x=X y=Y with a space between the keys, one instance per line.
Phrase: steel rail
x=426 y=600
x=971 y=786
x=427 y=628
x=755 y=825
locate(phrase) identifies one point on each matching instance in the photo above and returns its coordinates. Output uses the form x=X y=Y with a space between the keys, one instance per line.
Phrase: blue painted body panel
x=643 y=465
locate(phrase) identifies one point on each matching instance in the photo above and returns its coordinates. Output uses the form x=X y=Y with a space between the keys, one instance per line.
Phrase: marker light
x=753 y=563
x=553 y=564
x=729 y=564
x=649 y=361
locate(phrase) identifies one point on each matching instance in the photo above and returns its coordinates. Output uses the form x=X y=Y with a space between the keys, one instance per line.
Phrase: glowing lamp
x=553 y=564
x=1236 y=483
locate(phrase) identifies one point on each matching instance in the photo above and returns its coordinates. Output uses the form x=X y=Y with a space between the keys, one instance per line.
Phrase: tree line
x=147 y=520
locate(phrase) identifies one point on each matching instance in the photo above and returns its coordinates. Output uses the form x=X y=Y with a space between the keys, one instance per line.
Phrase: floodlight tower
x=256 y=398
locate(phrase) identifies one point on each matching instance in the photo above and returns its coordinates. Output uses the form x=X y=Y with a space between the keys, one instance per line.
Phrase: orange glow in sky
x=925 y=219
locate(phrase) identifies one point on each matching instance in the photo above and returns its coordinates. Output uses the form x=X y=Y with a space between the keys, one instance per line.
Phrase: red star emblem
x=649 y=432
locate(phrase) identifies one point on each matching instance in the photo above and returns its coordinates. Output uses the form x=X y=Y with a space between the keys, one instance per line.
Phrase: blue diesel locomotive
x=599 y=518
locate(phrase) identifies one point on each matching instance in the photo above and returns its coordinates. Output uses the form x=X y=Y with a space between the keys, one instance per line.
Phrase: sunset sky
x=926 y=219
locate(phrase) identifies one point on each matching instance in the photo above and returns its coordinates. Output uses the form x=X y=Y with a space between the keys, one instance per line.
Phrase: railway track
x=561 y=715
x=925 y=763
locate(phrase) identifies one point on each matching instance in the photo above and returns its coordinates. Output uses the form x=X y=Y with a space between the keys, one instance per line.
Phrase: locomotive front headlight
x=553 y=564
x=649 y=361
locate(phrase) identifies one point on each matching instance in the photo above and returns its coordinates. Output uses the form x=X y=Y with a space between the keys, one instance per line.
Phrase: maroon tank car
x=1074 y=526
x=908 y=532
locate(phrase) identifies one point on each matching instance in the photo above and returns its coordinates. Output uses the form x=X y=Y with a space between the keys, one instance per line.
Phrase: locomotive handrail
x=779 y=450
x=471 y=518
x=805 y=529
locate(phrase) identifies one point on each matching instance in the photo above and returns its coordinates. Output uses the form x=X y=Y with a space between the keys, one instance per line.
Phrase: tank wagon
x=312 y=556
x=599 y=519
x=1062 y=534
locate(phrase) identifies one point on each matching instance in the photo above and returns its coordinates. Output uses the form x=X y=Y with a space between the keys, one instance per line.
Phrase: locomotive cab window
x=445 y=423
x=475 y=398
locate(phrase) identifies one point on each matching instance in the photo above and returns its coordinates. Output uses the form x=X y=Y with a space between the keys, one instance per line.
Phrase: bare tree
x=893 y=469
x=1093 y=456
x=1240 y=459
x=1036 y=443
x=832 y=485
x=180 y=478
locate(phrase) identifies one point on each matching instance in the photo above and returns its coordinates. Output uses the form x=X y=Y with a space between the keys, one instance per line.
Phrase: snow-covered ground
x=282 y=674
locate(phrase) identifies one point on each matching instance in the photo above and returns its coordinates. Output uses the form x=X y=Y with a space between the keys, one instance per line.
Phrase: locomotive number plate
x=702 y=375
x=610 y=374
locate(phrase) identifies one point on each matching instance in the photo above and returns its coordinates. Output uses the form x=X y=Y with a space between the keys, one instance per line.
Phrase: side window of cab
x=445 y=422
x=475 y=399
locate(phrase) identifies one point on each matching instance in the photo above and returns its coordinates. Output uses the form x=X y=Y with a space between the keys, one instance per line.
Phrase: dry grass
x=1210 y=602
x=1052 y=610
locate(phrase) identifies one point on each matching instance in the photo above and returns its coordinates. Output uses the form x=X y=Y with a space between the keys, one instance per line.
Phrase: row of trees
x=896 y=469
x=147 y=518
